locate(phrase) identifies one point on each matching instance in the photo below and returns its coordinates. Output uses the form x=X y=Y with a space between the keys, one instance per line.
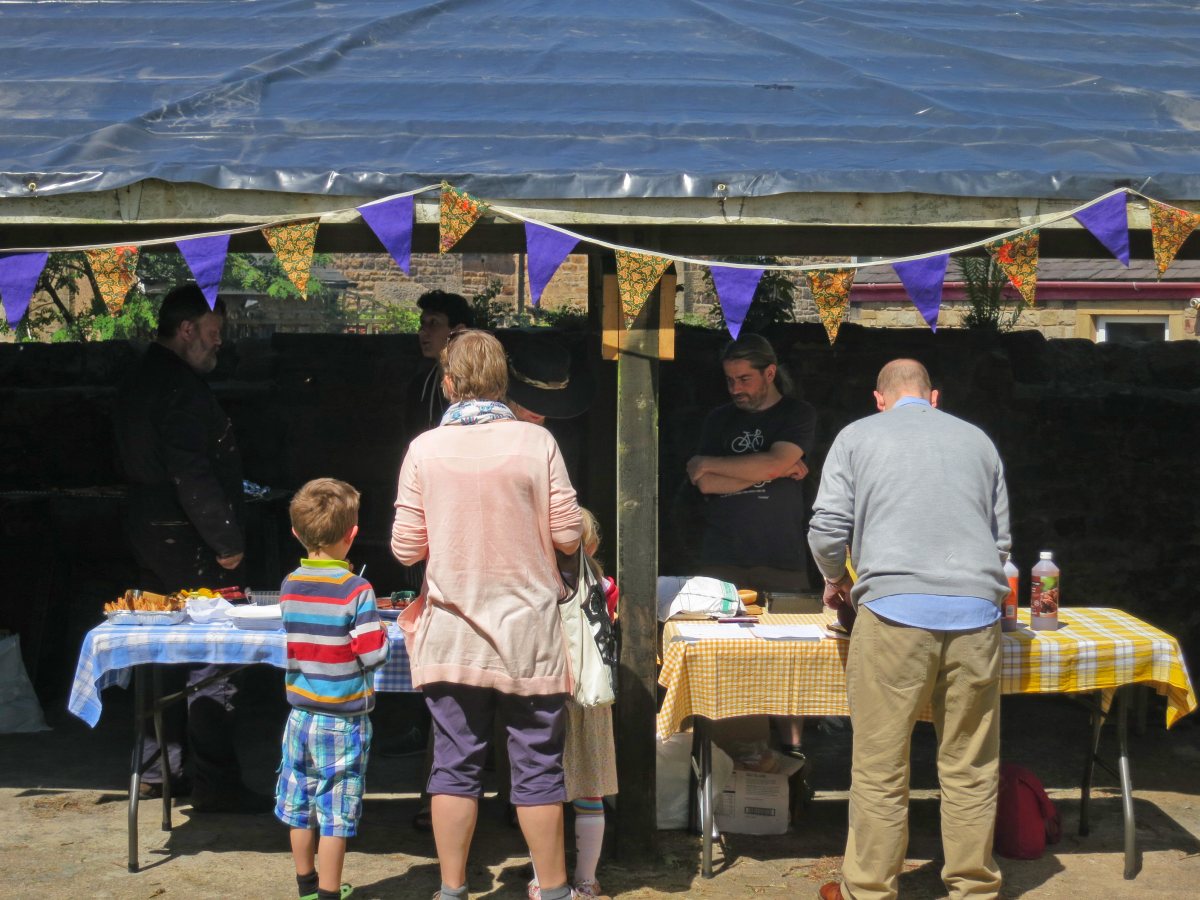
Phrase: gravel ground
x=63 y=796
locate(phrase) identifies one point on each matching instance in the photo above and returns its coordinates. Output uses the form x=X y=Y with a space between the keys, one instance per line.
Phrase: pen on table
x=738 y=620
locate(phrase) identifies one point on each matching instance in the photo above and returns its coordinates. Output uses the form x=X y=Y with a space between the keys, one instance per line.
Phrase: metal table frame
x=152 y=709
x=701 y=789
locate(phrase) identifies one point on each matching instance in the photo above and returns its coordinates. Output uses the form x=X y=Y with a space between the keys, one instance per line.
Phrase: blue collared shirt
x=934 y=612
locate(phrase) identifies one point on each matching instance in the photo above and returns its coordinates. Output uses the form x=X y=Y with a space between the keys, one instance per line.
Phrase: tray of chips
x=136 y=607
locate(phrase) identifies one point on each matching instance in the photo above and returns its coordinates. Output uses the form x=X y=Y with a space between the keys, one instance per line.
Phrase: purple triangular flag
x=923 y=278
x=1109 y=222
x=392 y=222
x=735 y=290
x=19 y=273
x=205 y=256
x=546 y=249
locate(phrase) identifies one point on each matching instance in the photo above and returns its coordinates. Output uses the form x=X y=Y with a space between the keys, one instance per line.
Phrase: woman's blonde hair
x=477 y=366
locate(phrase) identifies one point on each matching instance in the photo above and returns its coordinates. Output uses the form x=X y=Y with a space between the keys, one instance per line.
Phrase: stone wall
x=376 y=276
x=1099 y=442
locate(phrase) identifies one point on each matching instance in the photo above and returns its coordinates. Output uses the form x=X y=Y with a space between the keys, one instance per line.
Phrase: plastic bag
x=696 y=595
x=673 y=765
x=19 y=707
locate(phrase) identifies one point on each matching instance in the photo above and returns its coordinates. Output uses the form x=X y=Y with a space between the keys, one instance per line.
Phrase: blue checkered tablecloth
x=110 y=652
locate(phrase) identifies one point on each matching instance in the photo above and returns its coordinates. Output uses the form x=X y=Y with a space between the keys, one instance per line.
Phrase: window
x=1132 y=329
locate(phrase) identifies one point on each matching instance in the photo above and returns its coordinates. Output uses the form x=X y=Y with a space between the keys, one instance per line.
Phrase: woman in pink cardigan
x=486 y=500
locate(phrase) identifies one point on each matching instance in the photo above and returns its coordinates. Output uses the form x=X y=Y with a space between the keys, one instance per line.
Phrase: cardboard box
x=753 y=803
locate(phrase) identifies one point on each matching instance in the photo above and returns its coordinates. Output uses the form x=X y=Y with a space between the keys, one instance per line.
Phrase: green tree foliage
x=984 y=283
x=381 y=317
x=774 y=299
x=568 y=317
x=66 y=273
x=490 y=312
x=493 y=313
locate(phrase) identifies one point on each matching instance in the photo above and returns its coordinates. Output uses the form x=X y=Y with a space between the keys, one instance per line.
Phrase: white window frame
x=1102 y=323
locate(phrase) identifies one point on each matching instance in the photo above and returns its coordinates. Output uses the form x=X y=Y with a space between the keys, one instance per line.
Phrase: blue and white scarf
x=476 y=412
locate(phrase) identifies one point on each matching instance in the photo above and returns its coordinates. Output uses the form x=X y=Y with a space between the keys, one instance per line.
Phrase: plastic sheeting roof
x=613 y=99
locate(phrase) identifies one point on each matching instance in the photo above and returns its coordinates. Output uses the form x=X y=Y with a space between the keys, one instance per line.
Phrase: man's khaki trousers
x=893 y=672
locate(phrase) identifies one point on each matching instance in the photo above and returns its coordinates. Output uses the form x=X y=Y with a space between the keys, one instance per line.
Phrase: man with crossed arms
x=919 y=498
x=750 y=468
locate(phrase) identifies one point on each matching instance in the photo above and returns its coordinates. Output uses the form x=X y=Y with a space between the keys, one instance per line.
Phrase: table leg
x=1097 y=720
x=1126 y=781
x=693 y=787
x=163 y=755
x=706 y=796
x=135 y=766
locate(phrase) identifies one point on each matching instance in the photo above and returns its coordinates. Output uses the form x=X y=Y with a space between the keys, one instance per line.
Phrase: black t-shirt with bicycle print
x=763 y=525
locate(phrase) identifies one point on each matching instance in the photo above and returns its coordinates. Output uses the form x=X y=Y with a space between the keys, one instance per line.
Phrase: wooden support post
x=637 y=567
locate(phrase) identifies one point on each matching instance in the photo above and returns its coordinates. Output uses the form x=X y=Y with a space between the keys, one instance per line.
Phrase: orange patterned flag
x=459 y=211
x=1169 y=228
x=115 y=270
x=293 y=244
x=831 y=292
x=1018 y=258
x=637 y=274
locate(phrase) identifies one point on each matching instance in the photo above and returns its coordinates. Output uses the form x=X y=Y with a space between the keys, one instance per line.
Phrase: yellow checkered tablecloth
x=1093 y=650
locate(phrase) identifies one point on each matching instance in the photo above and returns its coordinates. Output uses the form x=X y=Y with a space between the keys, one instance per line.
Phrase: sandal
x=347 y=890
x=423 y=820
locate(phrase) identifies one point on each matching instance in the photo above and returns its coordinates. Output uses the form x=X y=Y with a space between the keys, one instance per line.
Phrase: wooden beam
x=657 y=318
x=637 y=574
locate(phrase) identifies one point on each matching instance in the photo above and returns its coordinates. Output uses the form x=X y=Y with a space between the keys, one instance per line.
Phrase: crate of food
x=262 y=598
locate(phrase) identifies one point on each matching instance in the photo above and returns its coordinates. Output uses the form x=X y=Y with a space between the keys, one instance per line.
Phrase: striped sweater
x=334 y=638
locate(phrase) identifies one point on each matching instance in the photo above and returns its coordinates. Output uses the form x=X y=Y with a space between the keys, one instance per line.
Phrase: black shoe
x=411 y=743
x=244 y=802
x=152 y=790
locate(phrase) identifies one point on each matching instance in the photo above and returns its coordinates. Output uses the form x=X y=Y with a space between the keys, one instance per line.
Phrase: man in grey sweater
x=917 y=498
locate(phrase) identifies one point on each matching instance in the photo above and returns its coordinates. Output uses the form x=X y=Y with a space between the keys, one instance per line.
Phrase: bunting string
x=1105 y=217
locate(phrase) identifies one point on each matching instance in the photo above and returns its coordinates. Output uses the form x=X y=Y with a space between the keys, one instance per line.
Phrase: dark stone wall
x=1099 y=442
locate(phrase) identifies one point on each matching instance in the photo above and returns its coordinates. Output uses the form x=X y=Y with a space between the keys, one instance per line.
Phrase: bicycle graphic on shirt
x=749 y=442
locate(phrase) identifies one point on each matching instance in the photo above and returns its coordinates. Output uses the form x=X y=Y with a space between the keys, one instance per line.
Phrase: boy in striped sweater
x=334 y=641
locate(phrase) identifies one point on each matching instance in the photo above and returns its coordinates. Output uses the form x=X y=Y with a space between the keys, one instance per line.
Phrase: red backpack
x=1026 y=819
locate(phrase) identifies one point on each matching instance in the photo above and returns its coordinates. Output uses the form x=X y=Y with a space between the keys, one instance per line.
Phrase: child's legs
x=304 y=849
x=339 y=752
x=331 y=854
x=295 y=790
x=589 y=836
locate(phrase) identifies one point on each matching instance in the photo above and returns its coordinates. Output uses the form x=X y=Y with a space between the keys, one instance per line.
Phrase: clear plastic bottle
x=1008 y=611
x=1044 y=593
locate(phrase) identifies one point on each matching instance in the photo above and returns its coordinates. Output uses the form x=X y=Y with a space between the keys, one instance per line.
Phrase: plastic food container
x=257 y=618
x=146 y=617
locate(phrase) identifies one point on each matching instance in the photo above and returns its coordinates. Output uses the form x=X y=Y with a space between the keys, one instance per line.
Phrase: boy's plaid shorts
x=321 y=777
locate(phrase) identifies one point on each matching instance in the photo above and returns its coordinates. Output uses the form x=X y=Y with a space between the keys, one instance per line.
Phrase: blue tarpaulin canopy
x=574 y=101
